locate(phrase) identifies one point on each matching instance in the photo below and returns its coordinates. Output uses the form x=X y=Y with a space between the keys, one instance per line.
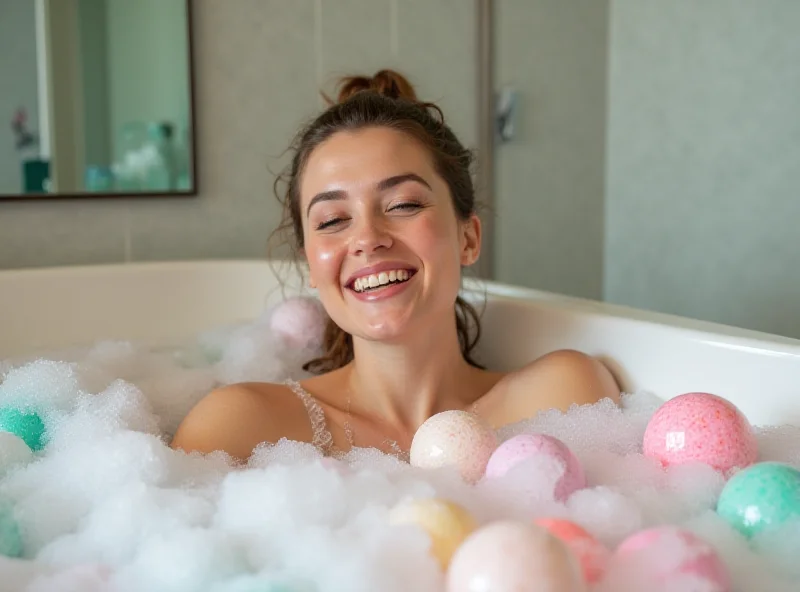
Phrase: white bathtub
x=166 y=303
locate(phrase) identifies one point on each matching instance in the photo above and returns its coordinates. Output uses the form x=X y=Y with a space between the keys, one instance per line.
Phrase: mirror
x=97 y=98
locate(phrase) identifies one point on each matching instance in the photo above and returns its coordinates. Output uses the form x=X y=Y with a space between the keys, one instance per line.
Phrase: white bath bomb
x=454 y=438
x=13 y=451
x=510 y=556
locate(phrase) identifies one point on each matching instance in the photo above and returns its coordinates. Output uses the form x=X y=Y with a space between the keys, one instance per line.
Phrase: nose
x=369 y=236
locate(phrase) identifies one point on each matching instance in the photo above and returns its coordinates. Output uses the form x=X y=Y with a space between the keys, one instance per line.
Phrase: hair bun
x=385 y=82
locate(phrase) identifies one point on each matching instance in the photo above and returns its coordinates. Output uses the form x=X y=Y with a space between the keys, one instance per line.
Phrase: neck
x=407 y=383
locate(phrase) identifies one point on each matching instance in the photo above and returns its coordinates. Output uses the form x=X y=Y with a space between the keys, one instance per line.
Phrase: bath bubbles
x=27 y=425
x=592 y=555
x=445 y=522
x=663 y=559
x=454 y=438
x=701 y=427
x=763 y=496
x=512 y=556
x=14 y=452
x=546 y=455
x=107 y=505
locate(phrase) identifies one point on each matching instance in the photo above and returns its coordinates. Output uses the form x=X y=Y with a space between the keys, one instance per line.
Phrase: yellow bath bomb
x=446 y=523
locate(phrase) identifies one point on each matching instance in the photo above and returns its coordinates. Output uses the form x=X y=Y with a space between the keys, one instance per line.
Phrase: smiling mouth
x=376 y=281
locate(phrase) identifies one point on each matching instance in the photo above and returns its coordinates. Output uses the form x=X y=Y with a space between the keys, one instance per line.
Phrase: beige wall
x=260 y=64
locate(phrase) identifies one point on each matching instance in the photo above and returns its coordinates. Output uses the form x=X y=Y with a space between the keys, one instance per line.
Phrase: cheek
x=437 y=238
x=323 y=258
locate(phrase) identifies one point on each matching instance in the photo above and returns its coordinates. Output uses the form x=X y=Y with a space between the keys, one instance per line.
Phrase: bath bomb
x=299 y=321
x=700 y=427
x=10 y=538
x=544 y=454
x=454 y=439
x=26 y=425
x=511 y=556
x=760 y=497
x=667 y=558
x=591 y=553
x=446 y=523
x=13 y=452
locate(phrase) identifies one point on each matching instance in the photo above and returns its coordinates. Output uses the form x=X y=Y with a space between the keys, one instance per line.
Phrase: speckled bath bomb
x=701 y=427
x=454 y=438
x=761 y=496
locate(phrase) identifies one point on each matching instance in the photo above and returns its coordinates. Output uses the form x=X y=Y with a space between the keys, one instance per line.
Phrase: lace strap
x=322 y=438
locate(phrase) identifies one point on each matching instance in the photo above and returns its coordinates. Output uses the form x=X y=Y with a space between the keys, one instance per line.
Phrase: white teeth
x=380 y=279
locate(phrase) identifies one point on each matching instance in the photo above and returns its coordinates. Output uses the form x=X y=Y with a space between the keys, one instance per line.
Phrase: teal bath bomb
x=26 y=425
x=763 y=495
x=10 y=539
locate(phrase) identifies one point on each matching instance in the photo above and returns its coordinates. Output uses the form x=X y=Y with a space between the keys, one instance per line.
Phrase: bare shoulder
x=237 y=417
x=556 y=380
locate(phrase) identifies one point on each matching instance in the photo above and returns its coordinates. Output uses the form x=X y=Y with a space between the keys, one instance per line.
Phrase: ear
x=470 y=240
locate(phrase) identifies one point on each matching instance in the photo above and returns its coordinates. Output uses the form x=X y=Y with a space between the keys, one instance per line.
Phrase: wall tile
x=437 y=43
x=41 y=233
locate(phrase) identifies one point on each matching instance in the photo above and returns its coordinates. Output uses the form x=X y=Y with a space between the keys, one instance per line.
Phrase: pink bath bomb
x=669 y=558
x=300 y=321
x=510 y=556
x=701 y=427
x=546 y=449
x=457 y=439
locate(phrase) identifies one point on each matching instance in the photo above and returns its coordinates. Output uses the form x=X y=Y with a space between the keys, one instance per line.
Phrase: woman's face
x=382 y=240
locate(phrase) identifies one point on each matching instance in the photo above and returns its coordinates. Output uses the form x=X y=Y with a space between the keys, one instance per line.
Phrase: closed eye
x=405 y=206
x=328 y=223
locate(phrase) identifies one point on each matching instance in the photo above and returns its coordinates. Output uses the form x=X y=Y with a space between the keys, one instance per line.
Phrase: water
x=108 y=506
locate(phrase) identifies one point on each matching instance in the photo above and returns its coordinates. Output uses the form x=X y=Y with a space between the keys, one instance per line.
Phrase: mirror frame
x=93 y=195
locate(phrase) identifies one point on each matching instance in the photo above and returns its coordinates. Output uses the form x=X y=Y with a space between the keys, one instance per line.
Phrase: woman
x=381 y=206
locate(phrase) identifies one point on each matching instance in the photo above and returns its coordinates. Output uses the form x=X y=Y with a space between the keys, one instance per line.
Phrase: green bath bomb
x=762 y=496
x=28 y=426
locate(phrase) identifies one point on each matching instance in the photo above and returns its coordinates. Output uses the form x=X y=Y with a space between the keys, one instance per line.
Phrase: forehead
x=360 y=159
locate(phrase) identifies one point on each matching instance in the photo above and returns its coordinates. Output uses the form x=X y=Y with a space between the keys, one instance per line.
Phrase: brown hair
x=385 y=100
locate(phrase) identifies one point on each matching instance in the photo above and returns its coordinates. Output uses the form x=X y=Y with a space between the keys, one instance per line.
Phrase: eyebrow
x=388 y=183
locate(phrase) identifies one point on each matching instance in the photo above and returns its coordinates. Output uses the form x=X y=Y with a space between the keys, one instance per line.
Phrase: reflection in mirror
x=97 y=98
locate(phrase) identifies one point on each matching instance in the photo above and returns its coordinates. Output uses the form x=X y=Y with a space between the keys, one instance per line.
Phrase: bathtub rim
x=475 y=289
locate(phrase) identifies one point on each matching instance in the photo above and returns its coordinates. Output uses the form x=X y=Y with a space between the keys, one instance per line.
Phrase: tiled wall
x=260 y=65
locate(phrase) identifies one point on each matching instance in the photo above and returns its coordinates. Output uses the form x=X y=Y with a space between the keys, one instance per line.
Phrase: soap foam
x=107 y=505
